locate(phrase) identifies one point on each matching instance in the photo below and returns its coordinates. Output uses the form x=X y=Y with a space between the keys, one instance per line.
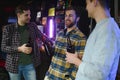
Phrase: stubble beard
x=71 y=25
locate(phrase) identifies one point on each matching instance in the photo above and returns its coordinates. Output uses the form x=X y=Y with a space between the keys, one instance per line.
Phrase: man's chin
x=27 y=21
x=69 y=26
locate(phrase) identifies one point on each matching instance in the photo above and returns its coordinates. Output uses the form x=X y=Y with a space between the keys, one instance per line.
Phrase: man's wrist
x=19 y=50
x=77 y=62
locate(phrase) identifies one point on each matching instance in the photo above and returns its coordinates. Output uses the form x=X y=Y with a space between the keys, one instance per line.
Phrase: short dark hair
x=104 y=3
x=75 y=8
x=21 y=8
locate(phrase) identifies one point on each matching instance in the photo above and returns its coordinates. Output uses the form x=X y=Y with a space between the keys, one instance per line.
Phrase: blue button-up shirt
x=100 y=60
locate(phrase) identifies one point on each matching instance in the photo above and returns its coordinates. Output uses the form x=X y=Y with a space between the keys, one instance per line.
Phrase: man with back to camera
x=101 y=56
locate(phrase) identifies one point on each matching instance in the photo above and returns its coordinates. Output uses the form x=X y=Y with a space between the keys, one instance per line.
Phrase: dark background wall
x=7 y=8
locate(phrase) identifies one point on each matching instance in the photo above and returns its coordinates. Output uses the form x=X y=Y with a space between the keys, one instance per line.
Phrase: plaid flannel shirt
x=11 y=41
x=59 y=68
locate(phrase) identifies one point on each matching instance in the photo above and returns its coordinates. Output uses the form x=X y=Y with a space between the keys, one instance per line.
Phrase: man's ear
x=95 y=2
x=18 y=14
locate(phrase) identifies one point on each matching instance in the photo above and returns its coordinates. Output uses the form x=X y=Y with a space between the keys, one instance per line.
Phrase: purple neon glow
x=51 y=28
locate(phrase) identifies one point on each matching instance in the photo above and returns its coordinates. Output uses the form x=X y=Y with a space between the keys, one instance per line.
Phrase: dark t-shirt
x=24 y=59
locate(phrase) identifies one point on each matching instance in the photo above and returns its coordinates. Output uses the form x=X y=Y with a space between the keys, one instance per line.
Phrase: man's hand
x=24 y=49
x=72 y=58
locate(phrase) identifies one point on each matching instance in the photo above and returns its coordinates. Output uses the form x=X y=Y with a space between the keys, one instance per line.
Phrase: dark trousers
x=43 y=67
x=4 y=74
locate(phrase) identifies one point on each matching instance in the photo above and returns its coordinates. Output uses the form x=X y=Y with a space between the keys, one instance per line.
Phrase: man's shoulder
x=13 y=24
x=80 y=34
x=32 y=24
x=61 y=32
x=9 y=26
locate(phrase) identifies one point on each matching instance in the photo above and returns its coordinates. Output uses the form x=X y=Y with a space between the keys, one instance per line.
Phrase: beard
x=71 y=24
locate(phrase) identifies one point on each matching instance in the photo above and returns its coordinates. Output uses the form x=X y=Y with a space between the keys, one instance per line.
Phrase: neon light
x=51 y=28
